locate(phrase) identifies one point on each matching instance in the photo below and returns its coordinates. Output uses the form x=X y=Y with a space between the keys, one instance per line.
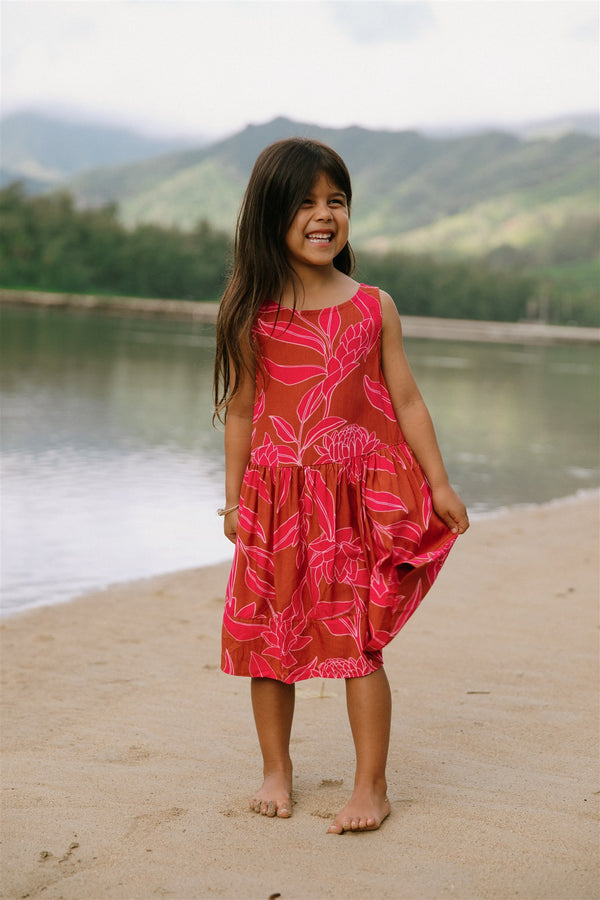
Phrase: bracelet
x=223 y=512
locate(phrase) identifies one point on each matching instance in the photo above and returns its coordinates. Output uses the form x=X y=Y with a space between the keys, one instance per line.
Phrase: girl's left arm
x=414 y=419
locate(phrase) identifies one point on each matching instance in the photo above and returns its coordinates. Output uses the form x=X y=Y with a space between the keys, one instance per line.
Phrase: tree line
x=47 y=243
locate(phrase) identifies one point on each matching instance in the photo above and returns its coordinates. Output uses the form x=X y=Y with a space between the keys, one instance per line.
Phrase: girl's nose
x=323 y=212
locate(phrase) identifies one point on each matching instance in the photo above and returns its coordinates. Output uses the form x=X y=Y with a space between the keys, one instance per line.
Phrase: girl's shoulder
x=385 y=300
x=388 y=309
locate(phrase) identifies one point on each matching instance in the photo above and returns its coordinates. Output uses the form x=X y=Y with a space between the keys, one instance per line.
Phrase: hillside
x=43 y=151
x=457 y=195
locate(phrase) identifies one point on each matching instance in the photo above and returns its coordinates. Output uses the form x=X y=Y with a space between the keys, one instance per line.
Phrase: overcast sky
x=189 y=68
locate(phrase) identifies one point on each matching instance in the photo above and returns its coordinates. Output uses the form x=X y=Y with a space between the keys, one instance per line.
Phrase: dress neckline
x=303 y=312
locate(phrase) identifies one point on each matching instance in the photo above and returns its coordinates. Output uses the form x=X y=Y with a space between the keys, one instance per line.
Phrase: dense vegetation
x=46 y=243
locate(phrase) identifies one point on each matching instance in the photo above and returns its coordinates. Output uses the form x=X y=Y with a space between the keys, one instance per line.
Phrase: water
x=112 y=470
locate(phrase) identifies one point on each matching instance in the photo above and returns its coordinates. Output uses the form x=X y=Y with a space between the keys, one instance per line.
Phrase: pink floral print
x=337 y=540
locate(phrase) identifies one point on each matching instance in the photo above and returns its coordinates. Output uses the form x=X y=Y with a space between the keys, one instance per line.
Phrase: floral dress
x=337 y=540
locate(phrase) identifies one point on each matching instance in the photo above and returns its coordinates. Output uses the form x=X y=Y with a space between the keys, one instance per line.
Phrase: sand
x=129 y=757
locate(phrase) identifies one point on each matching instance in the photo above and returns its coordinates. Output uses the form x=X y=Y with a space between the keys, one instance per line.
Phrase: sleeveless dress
x=337 y=540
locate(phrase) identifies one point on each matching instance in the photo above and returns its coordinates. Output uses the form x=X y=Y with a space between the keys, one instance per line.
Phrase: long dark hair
x=281 y=178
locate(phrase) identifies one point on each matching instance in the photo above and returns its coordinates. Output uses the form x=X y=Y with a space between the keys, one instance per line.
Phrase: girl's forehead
x=324 y=181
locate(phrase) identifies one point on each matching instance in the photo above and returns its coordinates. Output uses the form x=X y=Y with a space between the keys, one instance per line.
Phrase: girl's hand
x=450 y=509
x=230 y=525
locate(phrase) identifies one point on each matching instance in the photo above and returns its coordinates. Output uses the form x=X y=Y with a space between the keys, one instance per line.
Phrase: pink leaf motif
x=408 y=531
x=262 y=557
x=285 y=481
x=259 y=407
x=322 y=428
x=377 y=398
x=340 y=626
x=248 y=521
x=246 y=612
x=286 y=535
x=243 y=631
x=292 y=374
x=284 y=429
x=382 y=464
x=286 y=331
x=310 y=402
x=371 y=310
x=307 y=671
x=228 y=663
x=326 y=609
x=383 y=501
x=253 y=480
x=258 y=585
x=330 y=321
x=260 y=668
x=325 y=508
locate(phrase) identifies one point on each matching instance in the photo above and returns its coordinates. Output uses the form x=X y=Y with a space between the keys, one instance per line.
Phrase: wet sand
x=129 y=757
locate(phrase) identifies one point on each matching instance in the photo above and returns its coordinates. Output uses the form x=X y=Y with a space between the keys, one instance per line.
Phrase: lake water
x=112 y=470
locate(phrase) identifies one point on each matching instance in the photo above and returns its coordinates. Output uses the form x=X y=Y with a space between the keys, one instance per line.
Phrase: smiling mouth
x=320 y=237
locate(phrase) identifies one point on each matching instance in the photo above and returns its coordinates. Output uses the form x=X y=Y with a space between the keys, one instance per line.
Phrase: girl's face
x=320 y=228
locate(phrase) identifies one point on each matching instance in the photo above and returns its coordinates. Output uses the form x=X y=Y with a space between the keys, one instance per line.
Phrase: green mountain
x=42 y=151
x=467 y=194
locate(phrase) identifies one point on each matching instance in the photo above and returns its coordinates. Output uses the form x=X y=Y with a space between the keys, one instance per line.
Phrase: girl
x=336 y=496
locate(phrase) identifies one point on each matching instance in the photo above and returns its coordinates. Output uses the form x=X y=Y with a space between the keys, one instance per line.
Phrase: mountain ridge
x=406 y=185
x=453 y=194
x=48 y=150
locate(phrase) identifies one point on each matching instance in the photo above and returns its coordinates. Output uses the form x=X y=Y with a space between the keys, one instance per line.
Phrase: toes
x=270 y=808
x=354 y=824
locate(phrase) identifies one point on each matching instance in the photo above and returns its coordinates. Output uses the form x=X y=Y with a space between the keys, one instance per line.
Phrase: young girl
x=336 y=496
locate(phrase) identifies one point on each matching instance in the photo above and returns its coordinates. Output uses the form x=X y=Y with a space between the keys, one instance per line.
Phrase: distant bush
x=421 y=286
x=46 y=243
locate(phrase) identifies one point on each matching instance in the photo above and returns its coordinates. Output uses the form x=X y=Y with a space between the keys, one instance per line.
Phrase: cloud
x=195 y=67
x=381 y=21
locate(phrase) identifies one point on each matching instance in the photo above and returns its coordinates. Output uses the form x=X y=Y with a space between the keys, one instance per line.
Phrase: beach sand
x=129 y=757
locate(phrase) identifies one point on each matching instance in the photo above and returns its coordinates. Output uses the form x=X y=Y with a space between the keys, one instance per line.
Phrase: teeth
x=320 y=238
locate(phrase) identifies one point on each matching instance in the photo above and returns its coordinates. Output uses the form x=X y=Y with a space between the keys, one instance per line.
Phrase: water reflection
x=112 y=469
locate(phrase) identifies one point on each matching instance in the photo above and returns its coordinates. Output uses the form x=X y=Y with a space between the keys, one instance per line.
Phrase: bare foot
x=275 y=796
x=365 y=812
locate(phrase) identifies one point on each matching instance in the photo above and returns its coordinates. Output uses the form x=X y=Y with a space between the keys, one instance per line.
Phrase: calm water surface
x=112 y=470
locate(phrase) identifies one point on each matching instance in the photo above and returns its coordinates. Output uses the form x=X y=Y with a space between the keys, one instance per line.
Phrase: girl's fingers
x=457 y=523
x=230 y=526
x=461 y=523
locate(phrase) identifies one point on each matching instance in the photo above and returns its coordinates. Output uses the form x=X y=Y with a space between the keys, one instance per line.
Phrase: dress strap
x=373 y=291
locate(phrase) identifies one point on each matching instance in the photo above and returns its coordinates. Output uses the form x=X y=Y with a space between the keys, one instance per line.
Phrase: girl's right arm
x=238 y=432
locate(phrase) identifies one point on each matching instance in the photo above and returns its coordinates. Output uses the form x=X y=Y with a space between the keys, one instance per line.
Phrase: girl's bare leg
x=369 y=711
x=273 y=707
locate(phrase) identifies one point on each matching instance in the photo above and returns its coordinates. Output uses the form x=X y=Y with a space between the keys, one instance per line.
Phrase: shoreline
x=128 y=757
x=206 y=311
x=581 y=496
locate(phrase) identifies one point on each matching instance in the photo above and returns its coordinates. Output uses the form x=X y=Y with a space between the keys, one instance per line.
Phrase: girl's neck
x=319 y=287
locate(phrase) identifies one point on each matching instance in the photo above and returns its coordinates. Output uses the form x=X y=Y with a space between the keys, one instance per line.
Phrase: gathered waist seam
x=401 y=446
